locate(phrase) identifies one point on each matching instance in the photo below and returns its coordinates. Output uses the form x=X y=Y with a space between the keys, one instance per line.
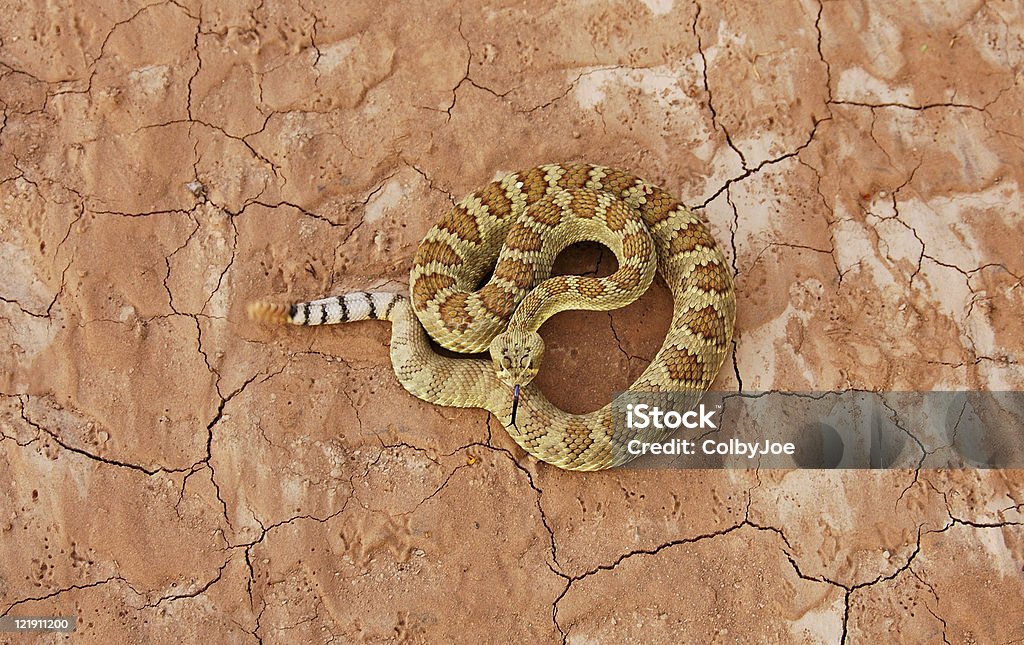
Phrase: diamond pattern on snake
x=517 y=226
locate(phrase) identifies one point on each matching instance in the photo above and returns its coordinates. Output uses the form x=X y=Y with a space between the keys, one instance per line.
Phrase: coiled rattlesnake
x=517 y=226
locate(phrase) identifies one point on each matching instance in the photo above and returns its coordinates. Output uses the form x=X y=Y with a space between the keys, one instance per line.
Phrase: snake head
x=516 y=356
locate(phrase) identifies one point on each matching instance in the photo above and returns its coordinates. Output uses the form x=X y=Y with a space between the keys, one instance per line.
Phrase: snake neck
x=535 y=309
x=426 y=374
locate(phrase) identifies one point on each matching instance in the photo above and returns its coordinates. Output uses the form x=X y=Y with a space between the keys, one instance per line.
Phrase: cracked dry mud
x=172 y=472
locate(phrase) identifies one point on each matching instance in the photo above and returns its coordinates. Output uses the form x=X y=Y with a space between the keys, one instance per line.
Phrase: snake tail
x=351 y=307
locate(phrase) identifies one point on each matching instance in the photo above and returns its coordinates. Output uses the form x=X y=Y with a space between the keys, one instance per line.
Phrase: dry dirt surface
x=171 y=472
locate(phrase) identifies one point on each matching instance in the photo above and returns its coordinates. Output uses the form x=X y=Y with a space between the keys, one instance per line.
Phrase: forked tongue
x=515 y=402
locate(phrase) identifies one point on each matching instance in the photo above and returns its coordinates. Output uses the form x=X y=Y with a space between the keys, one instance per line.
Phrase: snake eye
x=506 y=363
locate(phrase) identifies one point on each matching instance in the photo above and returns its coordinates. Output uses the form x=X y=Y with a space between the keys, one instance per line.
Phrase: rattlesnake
x=517 y=225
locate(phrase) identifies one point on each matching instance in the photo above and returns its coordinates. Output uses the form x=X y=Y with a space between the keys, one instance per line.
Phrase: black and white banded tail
x=351 y=307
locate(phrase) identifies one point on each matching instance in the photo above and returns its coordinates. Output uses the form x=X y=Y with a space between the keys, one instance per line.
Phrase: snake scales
x=517 y=226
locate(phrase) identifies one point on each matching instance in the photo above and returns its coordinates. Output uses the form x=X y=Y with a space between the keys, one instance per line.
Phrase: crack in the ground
x=27 y=312
x=711 y=103
x=47 y=313
x=851 y=589
x=63 y=590
x=430 y=182
x=657 y=549
x=323 y=218
x=908 y=106
x=554 y=566
x=199 y=65
x=203 y=588
x=654 y=551
x=895 y=419
x=618 y=341
x=167 y=262
x=828 y=220
x=24 y=399
x=144 y=214
x=227 y=267
x=365 y=202
x=935 y=596
x=821 y=53
x=207 y=461
x=466 y=78
x=967 y=273
x=529 y=478
x=247 y=547
x=244 y=139
x=733 y=229
x=767 y=162
x=570 y=87
x=94 y=63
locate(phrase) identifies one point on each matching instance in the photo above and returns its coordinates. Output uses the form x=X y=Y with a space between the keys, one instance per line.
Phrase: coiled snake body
x=517 y=226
